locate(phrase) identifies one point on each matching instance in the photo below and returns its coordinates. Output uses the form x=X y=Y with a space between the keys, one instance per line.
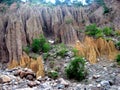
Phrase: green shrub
x=42 y=40
x=62 y=52
x=99 y=33
x=118 y=59
x=94 y=31
x=91 y=29
x=107 y=31
x=118 y=45
x=53 y=74
x=36 y=45
x=26 y=49
x=46 y=47
x=76 y=69
x=40 y=44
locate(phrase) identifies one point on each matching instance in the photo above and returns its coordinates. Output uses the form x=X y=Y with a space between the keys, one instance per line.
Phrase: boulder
x=5 y=79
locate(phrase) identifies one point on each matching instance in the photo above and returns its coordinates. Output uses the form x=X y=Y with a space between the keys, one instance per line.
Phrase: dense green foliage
x=40 y=44
x=93 y=30
x=46 y=47
x=76 y=69
x=118 y=59
x=107 y=31
x=36 y=45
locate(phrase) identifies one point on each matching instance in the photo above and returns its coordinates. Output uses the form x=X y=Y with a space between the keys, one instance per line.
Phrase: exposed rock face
x=19 y=26
x=93 y=48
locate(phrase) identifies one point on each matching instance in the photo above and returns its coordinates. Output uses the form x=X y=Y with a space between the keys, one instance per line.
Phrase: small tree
x=91 y=30
x=107 y=31
x=76 y=69
x=36 y=45
x=46 y=47
x=40 y=44
x=94 y=31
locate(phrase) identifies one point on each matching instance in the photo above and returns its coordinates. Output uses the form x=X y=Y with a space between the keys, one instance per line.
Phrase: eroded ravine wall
x=18 y=26
x=95 y=48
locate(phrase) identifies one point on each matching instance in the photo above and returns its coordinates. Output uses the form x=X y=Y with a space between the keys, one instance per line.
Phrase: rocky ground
x=105 y=75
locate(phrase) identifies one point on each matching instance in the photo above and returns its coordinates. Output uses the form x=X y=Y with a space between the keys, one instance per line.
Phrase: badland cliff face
x=19 y=26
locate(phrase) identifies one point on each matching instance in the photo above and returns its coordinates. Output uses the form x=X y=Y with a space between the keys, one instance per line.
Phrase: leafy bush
x=36 y=45
x=76 y=69
x=118 y=45
x=46 y=47
x=118 y=59
x=92 y=30
x=99 y=33
x=26 y=49
x=53 y=74
x=40 y=44
x=42 y=40
x=107 y=31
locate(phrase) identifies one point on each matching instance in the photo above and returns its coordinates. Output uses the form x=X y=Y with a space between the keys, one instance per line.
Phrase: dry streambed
x=104 y=75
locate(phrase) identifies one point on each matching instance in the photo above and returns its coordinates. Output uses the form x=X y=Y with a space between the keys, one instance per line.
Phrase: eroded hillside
x=62 y=24
x=54 y=47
